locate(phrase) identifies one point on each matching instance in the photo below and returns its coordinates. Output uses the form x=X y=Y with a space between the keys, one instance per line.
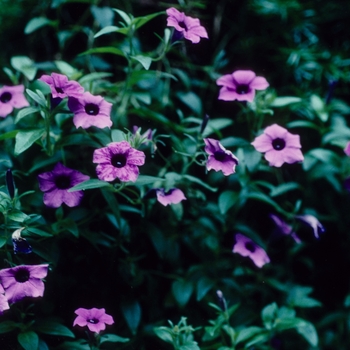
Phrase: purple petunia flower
x=11 y=97
x=347 y=149
x=23 y=281
x=61 y=87
x=310 y=220
x=118 y=160
x=4 y=305
x=94 y=319
x=90 y=110
x=56 y=183
x=240 y=85
x=189 y=27
x=173 y=196
x=284 y=228
x=246 y=247
x=219 y=157
x=279 y=146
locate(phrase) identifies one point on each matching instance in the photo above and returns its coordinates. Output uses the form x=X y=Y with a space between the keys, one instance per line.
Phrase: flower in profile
x=94 y=319
x=284 y=228
x=189 y=27
x=219 y=157
x=118 y=160
x=240 y=85
x=146 y=136
x=11 y=97
x=23 y=281
x=56 y=183
x=347 y=149
x=310 y=220
x=61 y=87
x=246 y=247
x=20 y=244
x=90 y=110
x=279 y=146
x=173 y=196
x=4 y=305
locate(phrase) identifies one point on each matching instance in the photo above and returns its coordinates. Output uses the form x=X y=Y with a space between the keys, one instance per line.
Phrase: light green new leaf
x=284 y=101
x=36 y=23
x=144 y=60
x=111 y=29
x=24 y=139
x=24 y=65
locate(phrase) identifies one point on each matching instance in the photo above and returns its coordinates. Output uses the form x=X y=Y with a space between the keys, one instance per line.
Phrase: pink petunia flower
x=11 y=97
x=4 y=305
x=118 y=160
x=94 y=319
x=189 y=27
x=279 y=146
x=173 y=196
x=240 y=85
x=219 y=157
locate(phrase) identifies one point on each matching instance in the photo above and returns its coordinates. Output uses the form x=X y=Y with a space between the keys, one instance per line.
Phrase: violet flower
x=246 y=247
x=284 y=228
x=90 y=110
x=347 y=149
x=279 y=146
x=94 y=319
x=4 y=305
x=173 y=196
x=312 y=221
x=20 y=244
x=118 y=160
x=146 y=136
x=219 y=157
x=189 y=27
x=23 y=281
x=61 y=87
x=56 y=183
x=11 y=97
x=240 y=85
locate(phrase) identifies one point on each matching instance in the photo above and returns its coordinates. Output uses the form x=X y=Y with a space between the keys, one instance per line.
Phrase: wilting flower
x=23 y=281
x=4 y=305
x=347 y=149
x=147 y=135
x=94 y=319
x=118 y=160
x=240 y=85
x=246 y=247
x=61 y=87
x=56 y=183
x=11 y=97
x=284 y=228
x=20 y=244
x=279 y=146
x=310 y=220
x=189 y=27
x=173 y=196
x=90 y=110
x=219 y=157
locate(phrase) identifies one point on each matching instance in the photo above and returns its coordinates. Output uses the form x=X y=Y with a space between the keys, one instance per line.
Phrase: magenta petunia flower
x=90 y=110
x=189 y=27
x=173 y=196
x=284 y=228
x=246 y=247
x=4 y=305
x=279 y=146
x=11 y=97
x=219 y=157
x=310 y=220
x=94 y=319
x=56 y=183
x=347 y=149
x=240 y=85
x=118 y=160
x=62 y=87
x=23 y=281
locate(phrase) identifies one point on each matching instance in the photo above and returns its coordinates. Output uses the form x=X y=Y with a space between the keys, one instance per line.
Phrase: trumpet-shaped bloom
x=219 y=157
x=11 y=97
x=90 y=110
x=94 y=319
x=4 y=305
x=23 y=281
x=240 y=85
x=310 y=220
x=56 y=183
x=118 y=160
x=173 y=196
x=279 y=146
x=284 y=228
x=189 y=27
x=246 y=247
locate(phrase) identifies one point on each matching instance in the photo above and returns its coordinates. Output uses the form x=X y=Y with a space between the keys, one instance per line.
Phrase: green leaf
x=204 y=285
x=67 y=69
x=299 y=296
x=36 y=23
x=53 y=328
x=145 y=180
x=285 y=101
x=9 y=135
x=132 y=314
x=214 y=125
x=17 y=215
x=28 y=340
x=112 y=338
x=269 y=314
x=3 y=241
x=191 y=345
x=164 y=333
x=319 y=106
x=266 y=199
x=191 y=100
x=308 y=331
x=252 y=158
x=24 y=139
x=247 y=333
x=227 y=199
x=283 y=188
x=24 y=112
x=199 y=182
x=303 y=124
x=90 y=184
x=144 y=60
x=108 y=49
x=8 y=326
x=36 y=97
x=140 y=21
x=38 y=232
x=93 y=77
x=24 y=65
x=182 y=291
x=124 y=16
x=111 y=29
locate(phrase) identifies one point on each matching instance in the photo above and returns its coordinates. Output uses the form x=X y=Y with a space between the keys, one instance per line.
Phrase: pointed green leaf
x=144 y=60
x=36 y=23
x=24 y=112
x=112 y=338
x=24 y=139
x=90 y=184
x=182 y=291
x=24 y=65
x=111 y=29
x=28 y=340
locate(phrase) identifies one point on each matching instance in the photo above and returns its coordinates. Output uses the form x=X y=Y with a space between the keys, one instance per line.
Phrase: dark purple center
x=22 y=275
x=119 y=160
x=278 y=144
x=93 y=320
x=91 y=109
x=242 y=89
x=219 y=156
x=62 y=182
x=250 y=246
x=182 y=25
x=5 y=97
x=59 y=90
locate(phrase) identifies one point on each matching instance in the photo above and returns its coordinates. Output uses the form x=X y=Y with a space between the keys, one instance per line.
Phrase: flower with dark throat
x=11 y=97
x=94 y=319
x=279 y=146
x=187 y=26
x=219 y=157
x=118 y=160
x=61 y=87
x=56 y=183
x=173 y=196
x=90 y=110
x=240 y=85
x=4 y=305
x=284 y=228
x=23 y=281
x=246 y=247
x=312 y=221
